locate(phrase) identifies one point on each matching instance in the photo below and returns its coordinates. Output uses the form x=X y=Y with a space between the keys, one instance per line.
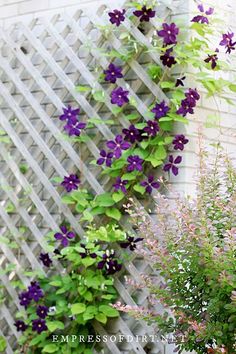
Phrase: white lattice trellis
x=40 y=63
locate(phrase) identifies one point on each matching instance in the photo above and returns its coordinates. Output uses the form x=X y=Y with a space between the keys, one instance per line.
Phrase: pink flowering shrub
x=192 y=245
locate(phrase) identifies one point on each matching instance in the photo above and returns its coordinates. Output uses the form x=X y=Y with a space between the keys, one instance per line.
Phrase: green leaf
x=232 y=87
x=155 y=162
x=139 y=189
x=160 y=153
x=53 y=325
x=99 y=96
x=118 y=196
x=108 y=311
x=113 y=213
x=56 y=283
x=101 y=317
x=3 y=343
x=67 y=199
x=132 y=116
x=78 y=308
x=50 y=348
x=87 y=216
x=81 y=88
x=167 y=84
x=104 y=200
x=40 y=338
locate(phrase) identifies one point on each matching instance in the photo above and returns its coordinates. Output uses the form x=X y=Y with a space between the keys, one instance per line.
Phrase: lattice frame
x=34 y=87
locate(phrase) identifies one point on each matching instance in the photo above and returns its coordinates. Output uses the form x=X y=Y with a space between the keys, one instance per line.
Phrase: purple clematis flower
x=192 y=96
x=152 y=128
x=120 y=185
x=132 y=134
x=39 y=325
x=45 y=259
x=109 y=262
x=118 y=145
x=119 y=96
x=42 y=311
x=35 y=292
x=169 y=33
x=179 y=142
x=227 y=41
x=212 y=59
x=135 y=163
x=160 y=110
x=179 y=81
x=21 y=326
x=70 y=182
x=144 y=14
x=185 y=108
x=24 y=299
x=106 y=157
x=86 y=252
x=64 y=236
x=131 y=243
x=167 y=59
x=70 y=114
x=150 y=184
x=171 y=165
x=116 y=17
x=113 y=73
x=74 y=127
x=201 y=18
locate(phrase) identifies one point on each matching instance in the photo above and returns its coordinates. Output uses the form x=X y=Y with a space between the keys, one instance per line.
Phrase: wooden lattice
x=40 y=64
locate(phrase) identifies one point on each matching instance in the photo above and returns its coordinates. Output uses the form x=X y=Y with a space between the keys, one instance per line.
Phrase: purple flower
x=227 y=41
x=131 y=243
x=24 y=299
x=152 y=128
x=189 y=102
x=42 y=311
x=45 y=259
x=70 y=114
x=116 y=17
x=160 y=110
x=120 y=185
x=179 y=82
x=106 y=157
x=201 y=18
x=169 y=33
x=171 y=165
x=119 y=96
x=212 y=59
x=74 y=127
x=135 y=163
x=70 y=182
x=144 y=14
x=167 y=59
x=21 y=326
x=113 y=73
x=132 y=134
x=64 y=236
x=179 y=142
x=39 y=325
x=150 y=184
x=192 y=96
x=35 y=292
x=118 y=145
x=86 y=252
x=108 y=262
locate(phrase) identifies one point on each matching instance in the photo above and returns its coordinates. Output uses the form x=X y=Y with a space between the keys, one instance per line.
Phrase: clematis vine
x=169 y=33
x=116 y=17
x=69 y=114
x=227 y=42
x=106 y=157
x=113 y=73
x=168 y=59
x=145 y=14
x=21 y=326
x=131 y=243
x=160 y=110
x=71 y=182
x=119 y=96
x=118 y=145
x=212 y=59
x=150 y=184
x=152 y=128
x=201 y=18
x=120 y=185
x=171 y=165
x=64 y=236
x=135 y=163
x=109 y=263
x=132 y=134
x=179 y=142
x=45 y=259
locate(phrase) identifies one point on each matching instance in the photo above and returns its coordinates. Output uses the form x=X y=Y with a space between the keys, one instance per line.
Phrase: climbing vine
x=141 y=153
